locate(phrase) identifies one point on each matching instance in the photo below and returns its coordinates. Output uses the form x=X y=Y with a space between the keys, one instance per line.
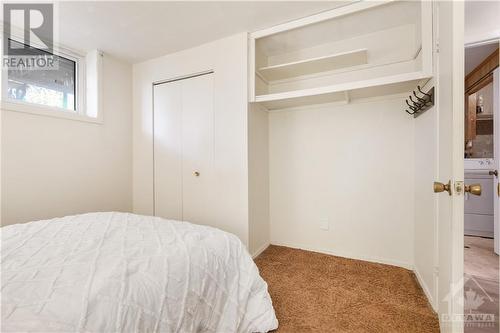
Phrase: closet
x=329 y=138
x=361 y=50
x=184 y=148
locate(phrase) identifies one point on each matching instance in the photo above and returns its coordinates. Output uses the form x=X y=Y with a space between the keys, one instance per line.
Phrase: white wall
x=352 y=165
x=258 y=178
x=426 y=201
x=53 y=166
x=228 y=58
x=425 y=231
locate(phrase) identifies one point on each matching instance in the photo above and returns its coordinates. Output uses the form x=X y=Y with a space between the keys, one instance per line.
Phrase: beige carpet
x=481 y=270
x=479 y=258
x=313 y=292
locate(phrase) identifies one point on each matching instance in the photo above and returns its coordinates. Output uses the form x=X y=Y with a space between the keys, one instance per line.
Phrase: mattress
x=118 y=272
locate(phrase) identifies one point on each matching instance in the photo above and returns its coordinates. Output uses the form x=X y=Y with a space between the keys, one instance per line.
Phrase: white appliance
x=479 y=210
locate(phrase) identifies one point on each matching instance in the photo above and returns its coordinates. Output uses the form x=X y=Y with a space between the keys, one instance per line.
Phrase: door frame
x=496 y=149
x=450 y=212
x=458 y=91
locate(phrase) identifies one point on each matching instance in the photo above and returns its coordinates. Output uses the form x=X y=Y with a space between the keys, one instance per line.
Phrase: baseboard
x=479 y=233
x=425 y=288
x=347 y=255
x=260 y=250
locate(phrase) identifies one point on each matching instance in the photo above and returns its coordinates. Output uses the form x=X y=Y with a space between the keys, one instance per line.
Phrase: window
x=70 y=89
x=54 y=87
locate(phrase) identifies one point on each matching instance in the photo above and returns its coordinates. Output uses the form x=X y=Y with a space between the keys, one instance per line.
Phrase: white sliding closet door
x=184 y=149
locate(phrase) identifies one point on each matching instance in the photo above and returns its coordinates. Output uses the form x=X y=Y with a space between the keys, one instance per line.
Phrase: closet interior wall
x=341 y=180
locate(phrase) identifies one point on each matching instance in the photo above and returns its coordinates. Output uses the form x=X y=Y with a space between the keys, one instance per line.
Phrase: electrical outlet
x=324 y=224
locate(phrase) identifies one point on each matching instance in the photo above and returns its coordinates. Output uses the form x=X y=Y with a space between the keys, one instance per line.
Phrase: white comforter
x=116 y=272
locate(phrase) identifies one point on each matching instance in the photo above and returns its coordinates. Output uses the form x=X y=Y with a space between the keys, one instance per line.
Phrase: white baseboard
x=347 y=255
x=425 y=288
x=260 y=250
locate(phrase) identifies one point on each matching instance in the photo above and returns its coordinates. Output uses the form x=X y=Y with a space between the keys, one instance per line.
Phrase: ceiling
x=481 y=20
x=137 y=31
x=475 y=55
x=481 y=23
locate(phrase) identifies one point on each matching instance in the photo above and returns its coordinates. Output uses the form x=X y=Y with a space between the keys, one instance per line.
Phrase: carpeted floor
x=314 y=292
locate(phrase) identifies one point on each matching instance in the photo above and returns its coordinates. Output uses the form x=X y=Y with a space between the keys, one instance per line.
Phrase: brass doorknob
x=474 y=189
x=440 y=187
x=197 y=174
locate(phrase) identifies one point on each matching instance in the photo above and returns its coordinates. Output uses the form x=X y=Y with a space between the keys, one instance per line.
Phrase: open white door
x=449 y=98
x=496 y=154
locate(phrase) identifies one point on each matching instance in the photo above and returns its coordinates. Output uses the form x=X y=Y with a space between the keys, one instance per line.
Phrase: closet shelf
x=314 y=65
x=343 y=92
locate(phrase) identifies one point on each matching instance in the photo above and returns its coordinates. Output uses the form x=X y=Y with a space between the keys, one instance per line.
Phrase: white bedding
x=116 y=272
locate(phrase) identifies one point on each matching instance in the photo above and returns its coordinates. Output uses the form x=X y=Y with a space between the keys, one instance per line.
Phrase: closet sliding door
x=184 y=149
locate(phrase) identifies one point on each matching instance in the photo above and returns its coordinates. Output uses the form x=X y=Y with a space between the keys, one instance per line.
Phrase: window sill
x=48 y=112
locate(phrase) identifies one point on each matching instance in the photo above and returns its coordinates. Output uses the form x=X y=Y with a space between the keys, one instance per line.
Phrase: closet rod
x=184 y=77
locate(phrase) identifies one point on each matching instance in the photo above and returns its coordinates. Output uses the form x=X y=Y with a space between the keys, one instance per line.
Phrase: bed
x=118 y=272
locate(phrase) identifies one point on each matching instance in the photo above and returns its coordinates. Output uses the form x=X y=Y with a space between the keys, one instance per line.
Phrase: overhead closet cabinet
x=318 y=120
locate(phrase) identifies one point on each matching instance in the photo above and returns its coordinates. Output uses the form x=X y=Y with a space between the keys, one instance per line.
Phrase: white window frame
x=81 y=113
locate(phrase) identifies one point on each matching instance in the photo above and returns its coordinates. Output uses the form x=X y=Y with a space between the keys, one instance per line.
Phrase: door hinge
x=437 y=47
x=459 y=187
